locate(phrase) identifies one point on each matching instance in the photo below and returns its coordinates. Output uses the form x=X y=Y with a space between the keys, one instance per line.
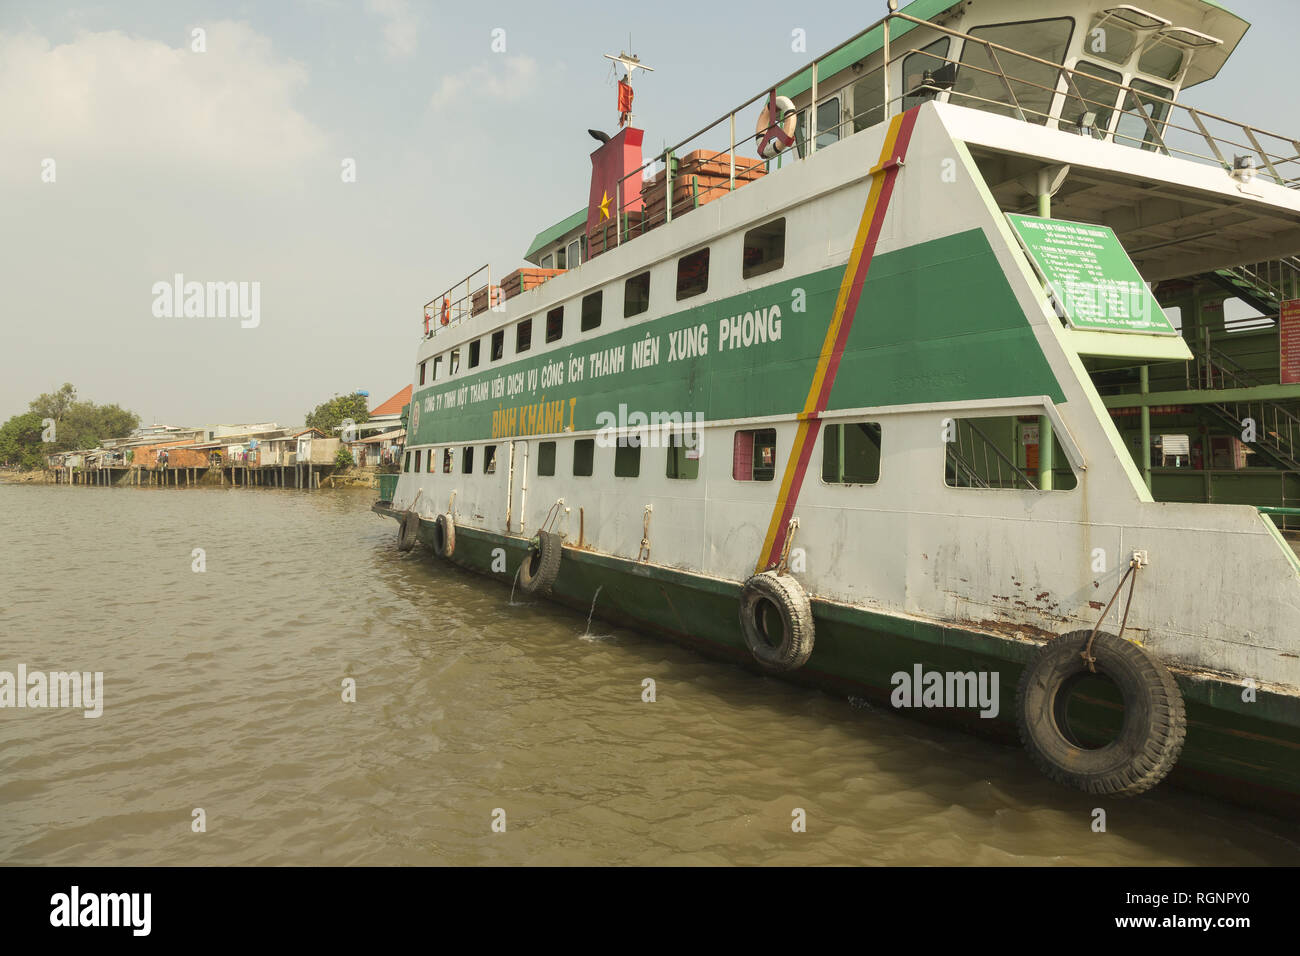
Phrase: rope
x=1087 y=651
x=644 y=553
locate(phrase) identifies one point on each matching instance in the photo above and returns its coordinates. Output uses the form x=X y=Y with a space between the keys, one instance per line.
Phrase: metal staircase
x=1277 y=428
x=1263 y=285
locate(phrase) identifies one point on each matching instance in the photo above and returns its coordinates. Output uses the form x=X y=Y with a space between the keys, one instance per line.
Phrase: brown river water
x=223 y=691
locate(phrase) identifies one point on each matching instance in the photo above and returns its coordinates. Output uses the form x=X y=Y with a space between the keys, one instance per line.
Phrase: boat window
x=1133 y=129
x=1162 y=60
x=591 y=307
x=627 y=459
x=422 y=364
x=753 y=455
x=980 y=84
x=417 y=462
x=523 y=336
x=437 y=369
x=467 y=460
x=693 y=274
x=548 y=262
x=851 y=453
x=1099 y=99
x=574 y=254
x=869 y=100
x=1000 y=452
x=684 y=455
x=636 y=295
x=474 y=348
x=453 y=363
x=926 y=73
x=584 y=455
x=448 y=457
x=433 y=457
x=406 y=465
x=555 y=323
x=828 y=123
x=1110 y=40
x=498 y=344
x=546 y=459
x=764 y=249
x=489 y=459
x=559 y=258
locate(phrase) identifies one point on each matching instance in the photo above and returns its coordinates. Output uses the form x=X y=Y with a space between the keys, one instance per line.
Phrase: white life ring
x=785 y=108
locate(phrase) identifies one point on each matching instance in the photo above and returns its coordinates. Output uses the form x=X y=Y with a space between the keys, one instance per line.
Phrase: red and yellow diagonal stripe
x=837 y=333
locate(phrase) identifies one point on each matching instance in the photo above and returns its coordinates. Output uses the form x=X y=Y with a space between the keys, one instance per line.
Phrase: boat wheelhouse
x=834 y=396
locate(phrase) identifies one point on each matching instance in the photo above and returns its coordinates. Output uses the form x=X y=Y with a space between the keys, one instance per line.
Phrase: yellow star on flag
x=604 y=205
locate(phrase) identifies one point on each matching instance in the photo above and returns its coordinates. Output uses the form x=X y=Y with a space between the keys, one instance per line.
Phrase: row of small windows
x=763 y=252
x=985 y=453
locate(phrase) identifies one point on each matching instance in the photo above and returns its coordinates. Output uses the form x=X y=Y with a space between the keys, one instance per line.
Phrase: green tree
x=55 y=404
x=327 y=416
x=20 y=441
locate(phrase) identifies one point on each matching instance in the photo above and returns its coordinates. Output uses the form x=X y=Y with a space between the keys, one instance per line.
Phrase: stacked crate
x=702 y=176
x=521 y=280
x=479 y=302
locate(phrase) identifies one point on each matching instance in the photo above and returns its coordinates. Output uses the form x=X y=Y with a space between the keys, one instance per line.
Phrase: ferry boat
x=834 y=388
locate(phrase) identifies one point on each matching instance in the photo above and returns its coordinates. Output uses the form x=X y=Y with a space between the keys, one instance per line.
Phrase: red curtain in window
x=742 y=457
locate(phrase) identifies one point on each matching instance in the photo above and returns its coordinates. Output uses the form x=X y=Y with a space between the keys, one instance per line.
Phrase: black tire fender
x=541 y=564
x=444 y=535
x=408 y=531
x=766 y=599
x=1150 y=739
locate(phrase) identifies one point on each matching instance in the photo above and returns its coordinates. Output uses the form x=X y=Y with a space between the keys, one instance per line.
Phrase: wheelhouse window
x=555 y=324
x=548 y=262
x=1001 y=452
x=591 y=309
x=584 y=457
x=693 y=274
x=869 y=100
x=474 y=348
x=1092 y=116
x=627 y=459
x=546 y=459
x=926 y=73
x=1142 y=123
x=828 y=123
x=467 y=460
x=764 y=249
x=636 y=295
x=1109 y=39
x=1162 y=60
x=498 y=344
x=489 y=459
x=684 y=455
x=559 y=259
x=980 y=83
x=523 y=336
x=574 y=254
x=851 y=453
x=753 y=455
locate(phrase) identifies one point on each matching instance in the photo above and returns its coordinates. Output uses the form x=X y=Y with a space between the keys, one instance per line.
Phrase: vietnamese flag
x=613 y=163
x=624 y=102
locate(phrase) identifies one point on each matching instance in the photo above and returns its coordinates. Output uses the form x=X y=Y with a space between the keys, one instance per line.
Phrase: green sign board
x=1093 y=280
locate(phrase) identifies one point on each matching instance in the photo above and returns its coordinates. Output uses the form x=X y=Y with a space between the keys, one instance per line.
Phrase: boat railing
x=460 y=301
x=1032 y=89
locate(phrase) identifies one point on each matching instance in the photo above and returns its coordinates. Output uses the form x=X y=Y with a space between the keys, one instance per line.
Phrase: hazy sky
x=226 y=166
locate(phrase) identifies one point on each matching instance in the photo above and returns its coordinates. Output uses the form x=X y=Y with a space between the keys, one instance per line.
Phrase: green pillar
x=1045 y=438
x=1145 y=460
